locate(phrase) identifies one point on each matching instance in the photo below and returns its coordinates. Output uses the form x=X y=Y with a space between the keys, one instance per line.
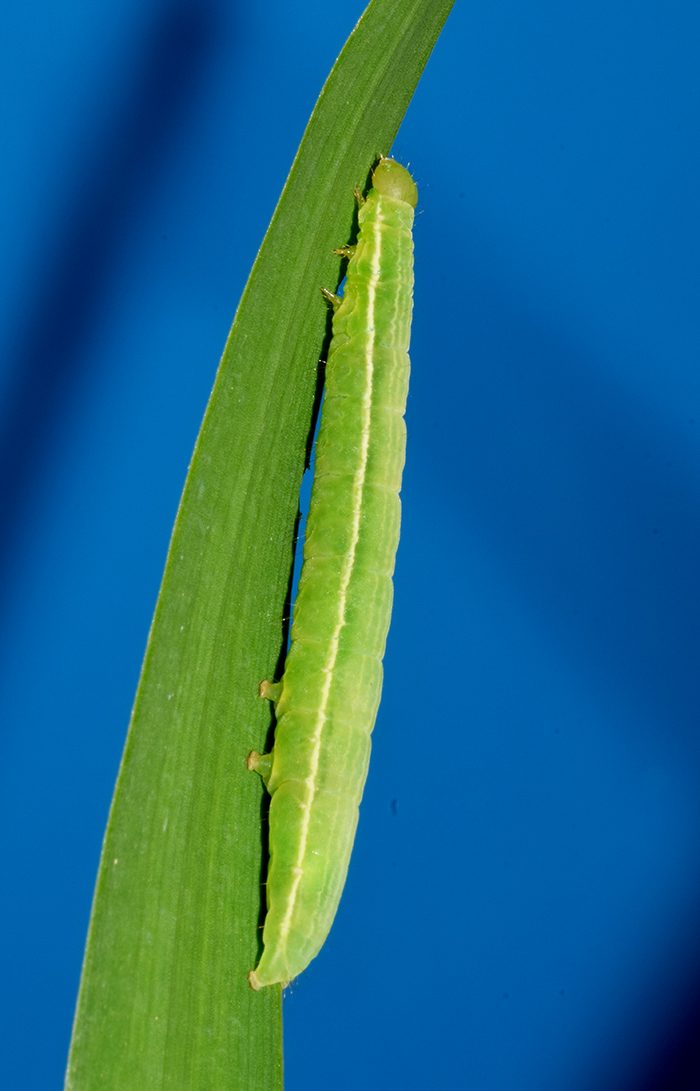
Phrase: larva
x=327 y=700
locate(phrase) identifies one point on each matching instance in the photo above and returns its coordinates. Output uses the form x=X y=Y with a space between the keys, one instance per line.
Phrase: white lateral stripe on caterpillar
x=348 y=567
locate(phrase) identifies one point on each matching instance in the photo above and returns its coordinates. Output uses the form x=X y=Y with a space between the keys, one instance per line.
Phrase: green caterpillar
x=327 y=700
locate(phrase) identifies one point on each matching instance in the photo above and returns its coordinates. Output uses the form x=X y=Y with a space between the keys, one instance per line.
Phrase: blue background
x=522 y=909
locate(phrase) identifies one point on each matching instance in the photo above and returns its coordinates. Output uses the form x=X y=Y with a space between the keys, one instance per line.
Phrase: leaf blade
x=164 y=997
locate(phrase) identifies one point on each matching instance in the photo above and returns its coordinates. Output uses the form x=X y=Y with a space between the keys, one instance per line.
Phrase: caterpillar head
x=392 y=180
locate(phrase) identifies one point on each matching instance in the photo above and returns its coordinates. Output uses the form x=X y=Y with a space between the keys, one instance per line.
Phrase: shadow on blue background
x=50 y=355
x=522 y=907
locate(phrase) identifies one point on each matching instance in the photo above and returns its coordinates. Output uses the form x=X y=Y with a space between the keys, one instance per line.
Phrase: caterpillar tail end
x=256 y=984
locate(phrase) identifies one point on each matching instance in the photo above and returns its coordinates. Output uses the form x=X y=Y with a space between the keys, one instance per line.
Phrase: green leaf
x=164 y=999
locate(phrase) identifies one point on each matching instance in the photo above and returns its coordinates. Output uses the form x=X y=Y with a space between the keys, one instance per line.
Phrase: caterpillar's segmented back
x=327 y=700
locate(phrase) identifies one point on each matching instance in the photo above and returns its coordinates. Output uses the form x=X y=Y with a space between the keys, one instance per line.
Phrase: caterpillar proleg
x=327 y=700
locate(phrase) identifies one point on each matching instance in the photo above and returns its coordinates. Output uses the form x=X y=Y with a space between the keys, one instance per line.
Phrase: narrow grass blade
x=164 y=1000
